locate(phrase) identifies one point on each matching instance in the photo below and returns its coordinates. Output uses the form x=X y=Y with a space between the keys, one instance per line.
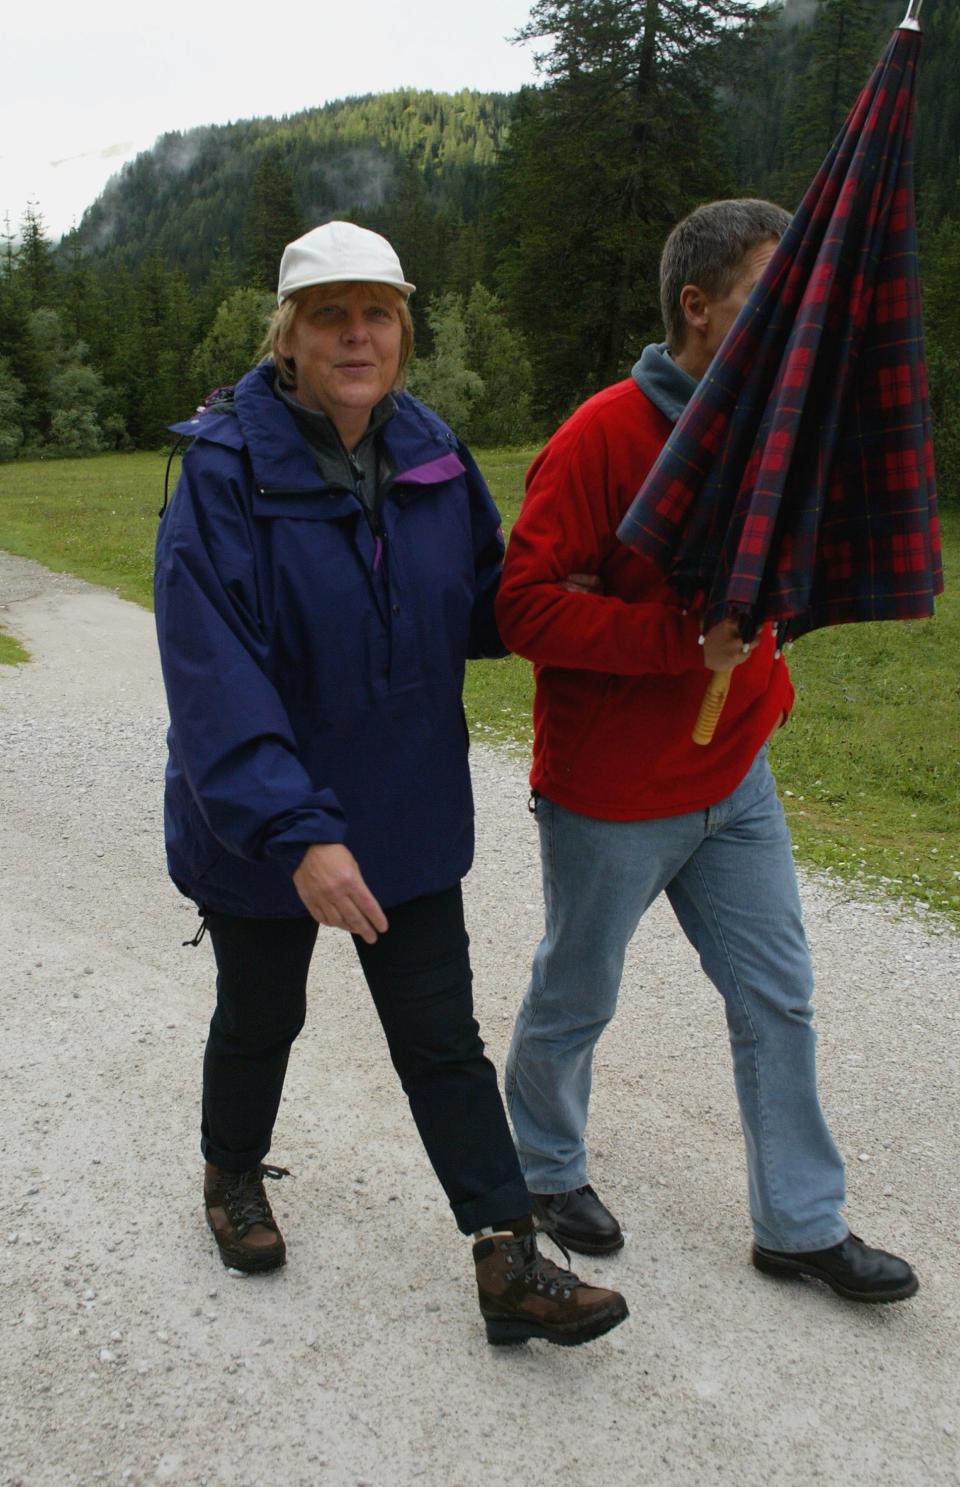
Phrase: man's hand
x=332 y=888
x=723 y=648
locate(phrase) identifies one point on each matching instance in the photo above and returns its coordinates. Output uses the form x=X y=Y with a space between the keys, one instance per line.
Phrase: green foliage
x=498 y=352
x=937 y=134
x=221 y=278
x=35 y=257
x=600 y=163
x=22 y=357
x=558 y=200
x=149 y=358
x=232 y=343
x=478 y=376
x=786 y=105
x=11 y=411
x=445 y=380
x=941 y=283
x=844 y=43
x=194 y=192
x=74 y=385
x=75 y=431
x=273 y=218
x=74 y=393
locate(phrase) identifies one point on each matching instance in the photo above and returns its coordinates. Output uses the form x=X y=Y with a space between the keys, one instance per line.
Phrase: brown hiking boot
x=524 y=1295
x=239 y=1215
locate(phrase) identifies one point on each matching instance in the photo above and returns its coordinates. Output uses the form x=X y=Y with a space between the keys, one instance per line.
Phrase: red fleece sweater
x=620 y=675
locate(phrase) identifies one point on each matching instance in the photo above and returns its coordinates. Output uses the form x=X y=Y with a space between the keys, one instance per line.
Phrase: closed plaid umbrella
x=798 y=484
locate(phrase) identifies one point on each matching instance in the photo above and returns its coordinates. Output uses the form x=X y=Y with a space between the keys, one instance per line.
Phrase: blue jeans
x=728 y=874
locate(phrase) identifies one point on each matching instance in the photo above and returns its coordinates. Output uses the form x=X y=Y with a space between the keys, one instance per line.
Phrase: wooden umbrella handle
x=712 y=706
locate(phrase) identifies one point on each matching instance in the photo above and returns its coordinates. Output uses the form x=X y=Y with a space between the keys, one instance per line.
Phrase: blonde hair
x=281 y=324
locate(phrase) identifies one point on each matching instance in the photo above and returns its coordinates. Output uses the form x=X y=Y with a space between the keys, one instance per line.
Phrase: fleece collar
x=658 y=377
x=419 y=447
x=320 y=431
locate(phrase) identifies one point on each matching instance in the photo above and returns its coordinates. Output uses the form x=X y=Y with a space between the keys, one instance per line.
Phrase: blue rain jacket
x=313 y=670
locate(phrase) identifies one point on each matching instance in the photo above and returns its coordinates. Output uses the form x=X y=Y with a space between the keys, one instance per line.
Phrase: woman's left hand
x=331 y=886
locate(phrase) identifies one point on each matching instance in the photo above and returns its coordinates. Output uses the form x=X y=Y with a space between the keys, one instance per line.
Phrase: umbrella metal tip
x=911 y=21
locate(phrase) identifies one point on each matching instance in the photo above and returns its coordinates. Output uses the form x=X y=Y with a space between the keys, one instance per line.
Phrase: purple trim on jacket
x=447 y=467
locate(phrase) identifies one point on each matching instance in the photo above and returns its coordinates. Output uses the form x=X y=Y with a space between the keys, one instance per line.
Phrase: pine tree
x=35 y=261
x=156 y=331
x=273 y=218
x=222 y=278
x=845 y=42
x=8 y=254
x=410 y=223
x=601 y=161
x=23 y=360
x=85 y=299
x=941 y=277
x=937 y=151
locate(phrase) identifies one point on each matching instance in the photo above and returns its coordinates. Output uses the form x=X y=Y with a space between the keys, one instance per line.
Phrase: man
x=628 y=806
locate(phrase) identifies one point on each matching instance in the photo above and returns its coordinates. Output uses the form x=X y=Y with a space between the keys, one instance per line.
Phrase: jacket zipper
x=372 y=516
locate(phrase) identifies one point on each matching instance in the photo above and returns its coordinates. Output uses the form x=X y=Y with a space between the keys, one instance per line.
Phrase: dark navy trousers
x=419 y=976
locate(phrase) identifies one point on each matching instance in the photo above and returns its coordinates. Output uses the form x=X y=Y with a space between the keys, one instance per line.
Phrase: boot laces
x=245 y=1200
x=535 y=1270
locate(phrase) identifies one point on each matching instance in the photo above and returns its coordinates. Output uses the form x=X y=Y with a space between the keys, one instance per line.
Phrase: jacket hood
x=668 y=386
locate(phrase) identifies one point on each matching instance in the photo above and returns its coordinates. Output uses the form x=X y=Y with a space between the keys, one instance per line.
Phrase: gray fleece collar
x=658 y=377
x=320 y=430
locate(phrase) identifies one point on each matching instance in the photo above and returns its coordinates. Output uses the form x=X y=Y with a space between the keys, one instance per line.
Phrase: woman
x=326 y=566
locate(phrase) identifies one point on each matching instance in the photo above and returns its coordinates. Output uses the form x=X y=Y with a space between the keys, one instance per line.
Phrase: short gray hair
x=707 y=249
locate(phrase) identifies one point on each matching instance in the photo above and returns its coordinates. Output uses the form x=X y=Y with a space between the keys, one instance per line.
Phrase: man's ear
x=694 y=304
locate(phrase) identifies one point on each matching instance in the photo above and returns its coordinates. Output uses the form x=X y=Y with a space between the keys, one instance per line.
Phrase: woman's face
x=345 y=346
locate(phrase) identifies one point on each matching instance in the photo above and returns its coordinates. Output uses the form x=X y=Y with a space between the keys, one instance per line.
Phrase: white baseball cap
x=339 y=252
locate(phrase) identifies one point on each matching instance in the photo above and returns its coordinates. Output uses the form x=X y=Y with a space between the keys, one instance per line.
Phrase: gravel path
x=130 y=1356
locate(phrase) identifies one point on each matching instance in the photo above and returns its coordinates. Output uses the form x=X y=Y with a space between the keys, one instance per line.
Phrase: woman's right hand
x=331 y=886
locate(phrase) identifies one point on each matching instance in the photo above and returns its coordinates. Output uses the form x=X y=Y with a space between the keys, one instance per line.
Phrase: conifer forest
x=532 y=224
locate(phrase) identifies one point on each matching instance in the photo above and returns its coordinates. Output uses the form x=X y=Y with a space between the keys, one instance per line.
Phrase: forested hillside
x=532 y=225
x=401 y=161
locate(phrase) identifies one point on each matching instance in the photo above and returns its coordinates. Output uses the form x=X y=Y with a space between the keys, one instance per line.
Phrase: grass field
x=869 y=766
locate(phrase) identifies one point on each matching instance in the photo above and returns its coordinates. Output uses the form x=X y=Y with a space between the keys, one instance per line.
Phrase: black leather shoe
x=579 y=1220
x=850 y=1268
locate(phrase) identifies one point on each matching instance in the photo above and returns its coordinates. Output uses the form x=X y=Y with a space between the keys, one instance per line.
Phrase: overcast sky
x=85 y=87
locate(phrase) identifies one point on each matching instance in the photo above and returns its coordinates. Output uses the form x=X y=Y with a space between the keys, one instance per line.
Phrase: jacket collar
x=668 y=386
x=320 y=431
x=419 y=446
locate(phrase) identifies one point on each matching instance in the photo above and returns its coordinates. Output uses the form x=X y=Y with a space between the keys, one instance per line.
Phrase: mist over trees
x=532 y=225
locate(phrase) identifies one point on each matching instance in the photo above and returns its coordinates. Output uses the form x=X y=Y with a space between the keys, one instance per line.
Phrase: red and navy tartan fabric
x=798 y=484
